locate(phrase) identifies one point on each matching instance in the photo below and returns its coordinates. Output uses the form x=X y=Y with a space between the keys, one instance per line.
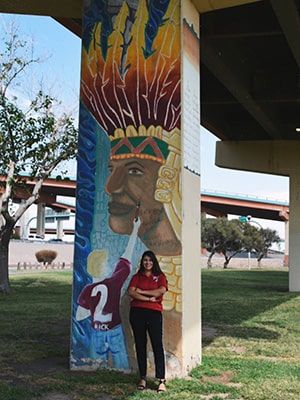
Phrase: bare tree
x=34 y=140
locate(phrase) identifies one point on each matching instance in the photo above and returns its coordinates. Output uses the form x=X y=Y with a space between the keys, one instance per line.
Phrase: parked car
x=33 y=237
x=55 y=240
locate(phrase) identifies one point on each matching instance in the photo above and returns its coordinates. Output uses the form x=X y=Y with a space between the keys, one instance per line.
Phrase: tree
x=233 y=240
x=220 y=235
x=251 y=236
x=209 y=238
x=268 y=237
x=229 y=237
x=33 y=141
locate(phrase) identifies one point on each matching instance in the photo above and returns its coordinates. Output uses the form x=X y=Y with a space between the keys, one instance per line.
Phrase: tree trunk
x=209 y=262
x=259 y=260
x=4 y=276
x=226 y=262
x=227 y=259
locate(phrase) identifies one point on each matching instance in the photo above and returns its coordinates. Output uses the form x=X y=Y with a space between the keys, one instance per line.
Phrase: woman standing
x=146 y=289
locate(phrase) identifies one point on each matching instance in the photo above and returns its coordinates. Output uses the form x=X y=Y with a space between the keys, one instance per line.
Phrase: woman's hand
x=153 y=299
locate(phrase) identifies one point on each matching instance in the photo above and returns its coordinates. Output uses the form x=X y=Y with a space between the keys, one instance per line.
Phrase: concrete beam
x=288 y=17
x=223 y=69
x=53 y=8
x=277 y=157
x=73 y=8
x=211 y=5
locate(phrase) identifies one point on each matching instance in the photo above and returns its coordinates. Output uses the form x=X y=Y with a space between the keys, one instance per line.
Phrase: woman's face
x=147 y=263
x=132 y=181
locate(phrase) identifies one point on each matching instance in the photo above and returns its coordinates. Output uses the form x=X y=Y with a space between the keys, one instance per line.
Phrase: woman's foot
x=142 y=384
x=161 y=386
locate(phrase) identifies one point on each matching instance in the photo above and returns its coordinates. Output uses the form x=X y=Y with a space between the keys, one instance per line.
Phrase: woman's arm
x=153 y=292
x=133 y=292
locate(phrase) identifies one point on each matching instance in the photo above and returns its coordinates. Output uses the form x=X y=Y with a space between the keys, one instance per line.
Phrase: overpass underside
x=250 y=86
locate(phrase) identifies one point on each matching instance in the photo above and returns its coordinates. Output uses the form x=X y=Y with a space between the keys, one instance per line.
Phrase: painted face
x=132 y=181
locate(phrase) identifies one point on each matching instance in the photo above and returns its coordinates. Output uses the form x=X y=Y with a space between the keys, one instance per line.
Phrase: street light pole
x=249 y=253
x=248 y=220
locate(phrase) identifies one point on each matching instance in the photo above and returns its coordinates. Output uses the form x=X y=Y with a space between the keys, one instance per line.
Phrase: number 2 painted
x=99 y=316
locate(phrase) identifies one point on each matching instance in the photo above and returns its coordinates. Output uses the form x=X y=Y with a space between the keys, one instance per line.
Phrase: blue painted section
x=93 y=232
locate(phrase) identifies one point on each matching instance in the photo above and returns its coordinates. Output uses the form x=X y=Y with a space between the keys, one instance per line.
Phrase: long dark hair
x=156 y=270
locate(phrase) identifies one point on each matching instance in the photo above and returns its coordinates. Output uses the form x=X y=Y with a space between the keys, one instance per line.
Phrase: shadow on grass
x=232 y=297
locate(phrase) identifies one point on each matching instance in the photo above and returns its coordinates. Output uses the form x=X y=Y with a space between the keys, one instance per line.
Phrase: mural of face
x=132 y=181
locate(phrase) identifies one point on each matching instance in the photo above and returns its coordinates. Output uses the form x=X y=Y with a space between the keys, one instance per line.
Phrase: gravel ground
x=270 y=262
x=23 y=253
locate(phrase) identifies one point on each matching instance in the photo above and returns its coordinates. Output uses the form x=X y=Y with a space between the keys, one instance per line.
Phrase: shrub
x=46 y=256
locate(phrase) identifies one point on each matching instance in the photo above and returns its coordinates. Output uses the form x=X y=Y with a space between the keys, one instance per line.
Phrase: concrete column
x=191 y=221
x=60 y=228
x=294 y=233
x=287 y=243
x=40 y=223
x=271 y=157
x=140 y=121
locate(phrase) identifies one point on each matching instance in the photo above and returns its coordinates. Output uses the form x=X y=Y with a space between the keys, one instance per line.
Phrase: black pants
x=143 y=320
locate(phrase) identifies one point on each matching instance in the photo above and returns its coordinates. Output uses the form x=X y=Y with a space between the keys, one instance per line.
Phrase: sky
x=61 y=51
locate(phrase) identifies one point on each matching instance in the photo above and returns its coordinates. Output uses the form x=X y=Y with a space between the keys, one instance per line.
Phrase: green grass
x=251 y=346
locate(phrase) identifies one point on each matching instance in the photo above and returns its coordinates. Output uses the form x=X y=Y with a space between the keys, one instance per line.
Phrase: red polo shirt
x=151 y=282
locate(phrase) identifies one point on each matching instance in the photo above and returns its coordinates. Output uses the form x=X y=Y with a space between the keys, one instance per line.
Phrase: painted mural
x=129 y=175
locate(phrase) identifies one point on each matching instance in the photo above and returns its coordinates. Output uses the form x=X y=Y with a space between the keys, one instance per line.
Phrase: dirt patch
x=55 y=396
x=212 y=396
x=33 y=374
x=236 y=349
x=224 y=378
x=61 y=396
x=21 y=375
x=42 y=367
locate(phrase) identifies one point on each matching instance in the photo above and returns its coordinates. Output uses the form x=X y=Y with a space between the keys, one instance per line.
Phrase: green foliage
x=15 y=236
x=35 y=140
x=268 y=237
x=36 y=135
x=220 y=235
x=229 y=237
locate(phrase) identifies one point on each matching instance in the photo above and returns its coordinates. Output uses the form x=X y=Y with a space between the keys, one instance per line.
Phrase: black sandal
x=142 y=386
x=161 y=386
